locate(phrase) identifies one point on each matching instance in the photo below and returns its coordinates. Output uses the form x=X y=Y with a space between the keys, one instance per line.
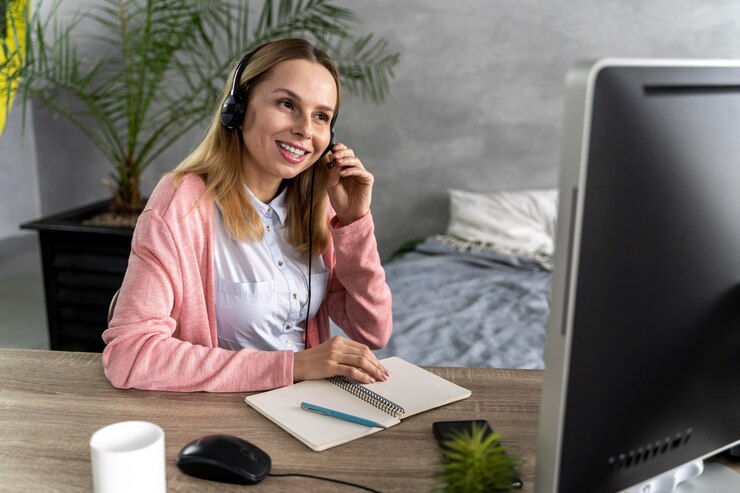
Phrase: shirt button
x=287 y=326
x=294 y=296
x=268 y=227
x=289 y=344
x=280 y=263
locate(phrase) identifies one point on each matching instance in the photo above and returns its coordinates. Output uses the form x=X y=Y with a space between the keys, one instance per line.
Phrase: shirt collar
x=279 y=205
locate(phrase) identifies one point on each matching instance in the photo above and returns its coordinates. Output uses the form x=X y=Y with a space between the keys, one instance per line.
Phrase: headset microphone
x=330 y=164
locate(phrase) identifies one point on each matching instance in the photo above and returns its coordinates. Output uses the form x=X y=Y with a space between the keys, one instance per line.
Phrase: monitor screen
x=643 y=342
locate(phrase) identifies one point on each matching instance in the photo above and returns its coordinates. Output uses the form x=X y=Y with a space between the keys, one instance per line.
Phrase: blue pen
x=339 y=415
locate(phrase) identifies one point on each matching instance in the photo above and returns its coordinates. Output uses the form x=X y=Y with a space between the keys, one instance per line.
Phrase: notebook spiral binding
x=367 y=395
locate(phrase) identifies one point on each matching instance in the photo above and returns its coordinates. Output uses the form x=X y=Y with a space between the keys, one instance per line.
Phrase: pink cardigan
x=163 y=333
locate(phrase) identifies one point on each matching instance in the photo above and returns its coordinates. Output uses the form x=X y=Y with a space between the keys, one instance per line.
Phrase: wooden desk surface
x=52 y=402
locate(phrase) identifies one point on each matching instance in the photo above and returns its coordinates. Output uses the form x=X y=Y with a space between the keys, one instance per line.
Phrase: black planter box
x=83 y=267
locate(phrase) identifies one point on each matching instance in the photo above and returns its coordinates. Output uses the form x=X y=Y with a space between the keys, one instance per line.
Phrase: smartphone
x=446 y=430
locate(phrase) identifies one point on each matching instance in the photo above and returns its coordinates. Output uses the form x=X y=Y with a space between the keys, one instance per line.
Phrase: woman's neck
x=263 y=189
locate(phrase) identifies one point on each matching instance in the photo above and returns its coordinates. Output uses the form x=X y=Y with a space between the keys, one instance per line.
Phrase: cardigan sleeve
x=161 y=336
x=358 y=299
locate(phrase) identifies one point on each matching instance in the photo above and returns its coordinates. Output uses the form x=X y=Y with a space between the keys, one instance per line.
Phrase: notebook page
x=414 y=388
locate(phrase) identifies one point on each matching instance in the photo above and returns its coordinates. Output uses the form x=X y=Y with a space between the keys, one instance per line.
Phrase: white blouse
x=261 y=287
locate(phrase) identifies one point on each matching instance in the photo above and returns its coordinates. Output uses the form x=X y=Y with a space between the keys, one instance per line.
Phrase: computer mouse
x=224 y=458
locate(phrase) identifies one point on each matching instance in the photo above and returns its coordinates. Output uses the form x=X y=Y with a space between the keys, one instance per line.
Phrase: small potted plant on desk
x=476 y=461
x=164 y=61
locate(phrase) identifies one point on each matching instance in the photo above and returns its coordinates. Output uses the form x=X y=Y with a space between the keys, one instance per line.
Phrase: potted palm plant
x=157 y=62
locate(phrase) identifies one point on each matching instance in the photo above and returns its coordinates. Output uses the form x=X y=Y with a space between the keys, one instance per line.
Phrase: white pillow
x=520 y=222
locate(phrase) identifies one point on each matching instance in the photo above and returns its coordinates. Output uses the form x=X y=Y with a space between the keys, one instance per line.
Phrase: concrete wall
x=19 y=184
x=476 y=103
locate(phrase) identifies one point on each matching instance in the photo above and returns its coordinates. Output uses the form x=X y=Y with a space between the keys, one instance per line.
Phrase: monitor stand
x=692 y=477
x=716 y=478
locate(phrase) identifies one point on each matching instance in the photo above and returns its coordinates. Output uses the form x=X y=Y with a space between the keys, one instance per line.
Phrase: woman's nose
x=302 y=127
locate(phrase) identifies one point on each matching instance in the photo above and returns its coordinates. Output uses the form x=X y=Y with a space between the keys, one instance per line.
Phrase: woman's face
x=287 y=123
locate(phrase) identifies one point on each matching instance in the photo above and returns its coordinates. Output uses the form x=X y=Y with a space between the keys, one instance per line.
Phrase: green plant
x=157 y=68
x=476 y=463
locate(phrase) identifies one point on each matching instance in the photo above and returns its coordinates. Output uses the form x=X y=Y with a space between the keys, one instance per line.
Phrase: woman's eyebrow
x=298 y=99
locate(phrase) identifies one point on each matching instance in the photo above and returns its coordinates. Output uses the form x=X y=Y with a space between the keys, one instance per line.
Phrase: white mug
x=128 y=456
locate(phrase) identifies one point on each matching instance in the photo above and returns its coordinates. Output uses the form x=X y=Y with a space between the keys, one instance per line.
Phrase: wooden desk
x=52 y=402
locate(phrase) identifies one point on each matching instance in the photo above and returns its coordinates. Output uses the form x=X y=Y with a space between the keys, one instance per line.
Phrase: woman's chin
x=291 y=171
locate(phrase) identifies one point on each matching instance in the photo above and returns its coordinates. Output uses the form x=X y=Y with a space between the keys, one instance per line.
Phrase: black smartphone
x=446 y=430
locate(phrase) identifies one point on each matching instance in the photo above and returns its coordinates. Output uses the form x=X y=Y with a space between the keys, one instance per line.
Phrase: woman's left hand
x=350 y=185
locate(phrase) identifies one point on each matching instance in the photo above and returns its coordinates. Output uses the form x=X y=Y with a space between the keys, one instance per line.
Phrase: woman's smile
x=291 y=152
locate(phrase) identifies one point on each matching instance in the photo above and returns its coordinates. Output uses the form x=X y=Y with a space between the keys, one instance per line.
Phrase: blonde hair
x=218 y=158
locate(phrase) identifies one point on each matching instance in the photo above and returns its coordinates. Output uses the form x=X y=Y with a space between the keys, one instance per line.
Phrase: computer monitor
x=642 y=360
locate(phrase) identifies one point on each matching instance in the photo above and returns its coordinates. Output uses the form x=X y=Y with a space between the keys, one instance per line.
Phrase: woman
x=216 y=290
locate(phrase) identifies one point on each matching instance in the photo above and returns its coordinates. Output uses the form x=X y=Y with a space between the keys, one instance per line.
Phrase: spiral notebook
x=410 y=390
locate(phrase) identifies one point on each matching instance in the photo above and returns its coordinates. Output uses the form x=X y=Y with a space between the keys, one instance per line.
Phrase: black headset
x=235 y=105
x=232 y=116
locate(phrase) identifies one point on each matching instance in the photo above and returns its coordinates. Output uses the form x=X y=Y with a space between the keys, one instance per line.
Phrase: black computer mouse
x=224 y=458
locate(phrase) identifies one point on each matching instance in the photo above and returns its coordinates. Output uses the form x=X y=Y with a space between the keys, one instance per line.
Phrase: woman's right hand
x=338 y=356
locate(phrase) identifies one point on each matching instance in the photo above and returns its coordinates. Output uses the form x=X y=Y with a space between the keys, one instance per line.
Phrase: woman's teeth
x=295 y=152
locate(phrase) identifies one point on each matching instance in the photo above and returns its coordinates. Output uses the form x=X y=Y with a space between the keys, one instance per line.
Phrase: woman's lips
x=291 y=153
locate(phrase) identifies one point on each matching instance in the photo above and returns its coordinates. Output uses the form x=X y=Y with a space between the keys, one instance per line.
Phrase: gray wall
x=476 y=103
x=19 y=185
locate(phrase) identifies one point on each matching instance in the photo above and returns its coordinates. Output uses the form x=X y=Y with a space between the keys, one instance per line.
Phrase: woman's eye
x=287 y=103
x=323 y=117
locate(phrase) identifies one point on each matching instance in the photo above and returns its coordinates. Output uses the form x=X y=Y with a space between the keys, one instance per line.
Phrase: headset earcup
x=232 y=112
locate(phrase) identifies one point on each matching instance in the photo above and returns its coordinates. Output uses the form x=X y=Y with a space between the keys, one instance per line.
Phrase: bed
x=478 y=295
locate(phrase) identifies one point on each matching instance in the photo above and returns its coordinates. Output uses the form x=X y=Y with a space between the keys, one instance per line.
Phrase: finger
x=342 y=151
x=347 y=348
x=354 y=354
x=354 y=171
x=359 y=375
x=352 y=163
x=369 y=364
x=353 y=373
x=347 y=161
x=360 y=176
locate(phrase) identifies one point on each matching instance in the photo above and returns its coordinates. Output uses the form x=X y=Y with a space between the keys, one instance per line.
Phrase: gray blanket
x=472 y=309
